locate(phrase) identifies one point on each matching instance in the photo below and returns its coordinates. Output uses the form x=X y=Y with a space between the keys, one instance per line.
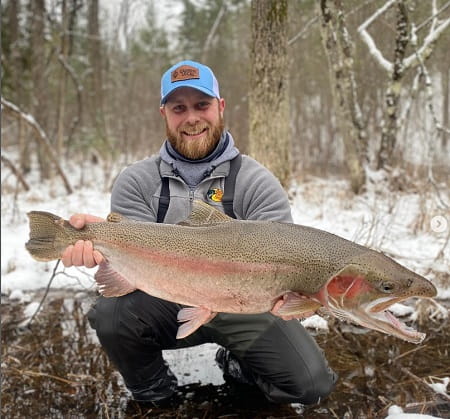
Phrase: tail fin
x=48 y=236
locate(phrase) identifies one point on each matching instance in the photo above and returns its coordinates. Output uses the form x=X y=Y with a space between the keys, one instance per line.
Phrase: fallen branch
x=41 y=136
x=43 y=374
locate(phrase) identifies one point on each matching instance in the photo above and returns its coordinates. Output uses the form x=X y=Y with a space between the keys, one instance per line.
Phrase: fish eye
x=387 y=286
x=409 y=283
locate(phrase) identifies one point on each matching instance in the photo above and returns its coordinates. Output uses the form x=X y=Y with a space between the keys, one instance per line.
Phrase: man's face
x=194 y=122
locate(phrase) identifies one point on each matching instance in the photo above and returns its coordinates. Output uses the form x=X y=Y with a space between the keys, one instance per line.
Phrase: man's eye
x=178 y=108
x=203 y=105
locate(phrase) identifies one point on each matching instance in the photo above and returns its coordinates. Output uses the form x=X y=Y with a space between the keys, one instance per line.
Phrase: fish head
x=366 y=287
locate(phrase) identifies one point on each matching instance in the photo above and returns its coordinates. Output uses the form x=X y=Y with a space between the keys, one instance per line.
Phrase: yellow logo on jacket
x=215 y=195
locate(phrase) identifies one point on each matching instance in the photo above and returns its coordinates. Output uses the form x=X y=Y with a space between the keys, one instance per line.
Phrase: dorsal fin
x=114 y=217
x=203 y=214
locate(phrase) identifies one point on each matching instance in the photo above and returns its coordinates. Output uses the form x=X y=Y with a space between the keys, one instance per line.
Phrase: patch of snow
x=441 y=387
x=315 y=322
x=28 y=312
x=18 y=296
x=396 y=412
x=401 y=310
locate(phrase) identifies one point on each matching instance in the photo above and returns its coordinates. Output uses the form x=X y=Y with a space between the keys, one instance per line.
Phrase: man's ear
x=221 y=105
x=162 y=111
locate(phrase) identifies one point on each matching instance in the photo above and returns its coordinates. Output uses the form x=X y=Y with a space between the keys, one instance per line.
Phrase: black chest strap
x=164 y=200
x=227 y=199
x=230 y=185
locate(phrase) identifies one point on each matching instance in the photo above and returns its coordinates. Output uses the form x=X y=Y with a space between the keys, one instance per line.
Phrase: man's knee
x=134 y=317
x=309 y=389
x=317 y=387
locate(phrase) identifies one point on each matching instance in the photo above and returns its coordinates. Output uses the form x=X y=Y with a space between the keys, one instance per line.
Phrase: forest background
x=346 y=102
x=81 y=83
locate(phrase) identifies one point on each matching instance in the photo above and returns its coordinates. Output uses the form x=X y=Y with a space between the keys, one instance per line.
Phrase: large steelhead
x=216 y=264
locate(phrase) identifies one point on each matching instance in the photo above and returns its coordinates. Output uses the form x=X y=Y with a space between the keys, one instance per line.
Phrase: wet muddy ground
x=54 y=369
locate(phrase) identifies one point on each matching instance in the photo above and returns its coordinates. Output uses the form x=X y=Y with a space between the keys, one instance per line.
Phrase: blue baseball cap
x=189 y=74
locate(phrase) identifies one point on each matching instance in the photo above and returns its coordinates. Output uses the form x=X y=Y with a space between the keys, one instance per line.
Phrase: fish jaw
x=350 y=296
x=384 y=321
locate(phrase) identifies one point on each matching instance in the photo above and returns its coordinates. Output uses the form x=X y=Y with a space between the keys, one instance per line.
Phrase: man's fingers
x=66 y=257
x=80 y=220
x=77 y=220
x=88 y=257
x=98 y=257
x=77 y=254
x=81 y=254
x=93 y=219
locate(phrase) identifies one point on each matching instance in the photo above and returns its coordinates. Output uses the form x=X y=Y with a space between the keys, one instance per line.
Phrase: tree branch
x=41 y=136
x=15 y=171
x=376 y=53
x=213 y=30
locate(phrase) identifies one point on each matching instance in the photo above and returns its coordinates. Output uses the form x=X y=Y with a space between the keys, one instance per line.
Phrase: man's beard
x=199 y=148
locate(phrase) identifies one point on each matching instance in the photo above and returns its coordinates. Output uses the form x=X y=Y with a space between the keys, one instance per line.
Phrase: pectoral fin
x=194 y=317
x=111 y=283
x=294 y=304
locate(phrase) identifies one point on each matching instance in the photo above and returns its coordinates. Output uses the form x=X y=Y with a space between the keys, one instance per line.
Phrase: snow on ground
x=399 y=224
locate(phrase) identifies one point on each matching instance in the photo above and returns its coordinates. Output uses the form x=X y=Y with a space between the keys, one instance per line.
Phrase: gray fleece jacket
x=258 y=194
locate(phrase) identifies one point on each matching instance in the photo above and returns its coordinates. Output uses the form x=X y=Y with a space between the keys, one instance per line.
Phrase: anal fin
x=193 y=318
x=110 y=283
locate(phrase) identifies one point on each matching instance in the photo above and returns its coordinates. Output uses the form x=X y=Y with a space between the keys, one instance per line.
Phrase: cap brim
x=202 y=89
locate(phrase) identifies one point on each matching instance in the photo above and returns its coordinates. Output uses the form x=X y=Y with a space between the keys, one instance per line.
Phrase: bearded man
x=199 y=161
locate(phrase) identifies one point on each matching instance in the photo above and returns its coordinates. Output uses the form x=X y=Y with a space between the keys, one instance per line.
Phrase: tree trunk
x=17 y=92
x=62 y=88
x=96 y=79
x=269 y=141
x=39 y=77
x=391 y=114
x=339 y=50
x=445 y=107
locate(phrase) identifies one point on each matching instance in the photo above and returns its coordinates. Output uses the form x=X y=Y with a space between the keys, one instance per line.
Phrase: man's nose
x=192 y=117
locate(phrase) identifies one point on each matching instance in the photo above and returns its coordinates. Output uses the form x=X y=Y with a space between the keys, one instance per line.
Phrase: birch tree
x=268 y=101
x=339 y=50
x=406 y=34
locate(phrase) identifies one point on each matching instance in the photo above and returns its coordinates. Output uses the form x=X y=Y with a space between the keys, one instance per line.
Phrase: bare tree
x=96 y=94
x=339 y=50
x=40 y=136
x=268 y=101
x=406 y=33
x=39 y=67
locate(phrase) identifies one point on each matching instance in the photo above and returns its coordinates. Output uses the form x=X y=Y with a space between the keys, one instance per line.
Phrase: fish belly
x=220 y=285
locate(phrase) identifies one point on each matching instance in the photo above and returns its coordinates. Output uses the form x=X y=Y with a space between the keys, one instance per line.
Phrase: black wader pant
x=284 y=360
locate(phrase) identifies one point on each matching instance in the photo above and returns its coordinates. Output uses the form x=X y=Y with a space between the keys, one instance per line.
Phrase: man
x=195 y=162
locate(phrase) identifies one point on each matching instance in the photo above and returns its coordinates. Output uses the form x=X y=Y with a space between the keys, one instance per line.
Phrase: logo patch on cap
x=184 y=72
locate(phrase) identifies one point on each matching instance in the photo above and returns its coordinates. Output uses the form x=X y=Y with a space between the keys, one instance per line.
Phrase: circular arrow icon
x=439 y=224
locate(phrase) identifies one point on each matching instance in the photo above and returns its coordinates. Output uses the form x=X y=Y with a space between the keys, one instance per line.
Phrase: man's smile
x=195 y=134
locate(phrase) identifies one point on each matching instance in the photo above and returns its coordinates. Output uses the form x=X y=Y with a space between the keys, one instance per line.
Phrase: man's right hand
x=82 y=253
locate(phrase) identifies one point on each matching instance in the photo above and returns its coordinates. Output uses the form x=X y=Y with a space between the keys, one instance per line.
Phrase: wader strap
x=230 y=183
x=164 y=200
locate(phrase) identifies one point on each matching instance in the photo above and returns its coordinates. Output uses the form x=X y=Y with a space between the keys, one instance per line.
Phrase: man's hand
x=82 y=253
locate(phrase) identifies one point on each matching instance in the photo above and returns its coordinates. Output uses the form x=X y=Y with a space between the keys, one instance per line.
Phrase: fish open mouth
x=390 y=324
x=348 y=298
x=376 y=315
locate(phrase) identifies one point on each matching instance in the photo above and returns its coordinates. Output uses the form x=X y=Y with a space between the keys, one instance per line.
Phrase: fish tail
x=49 y=236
